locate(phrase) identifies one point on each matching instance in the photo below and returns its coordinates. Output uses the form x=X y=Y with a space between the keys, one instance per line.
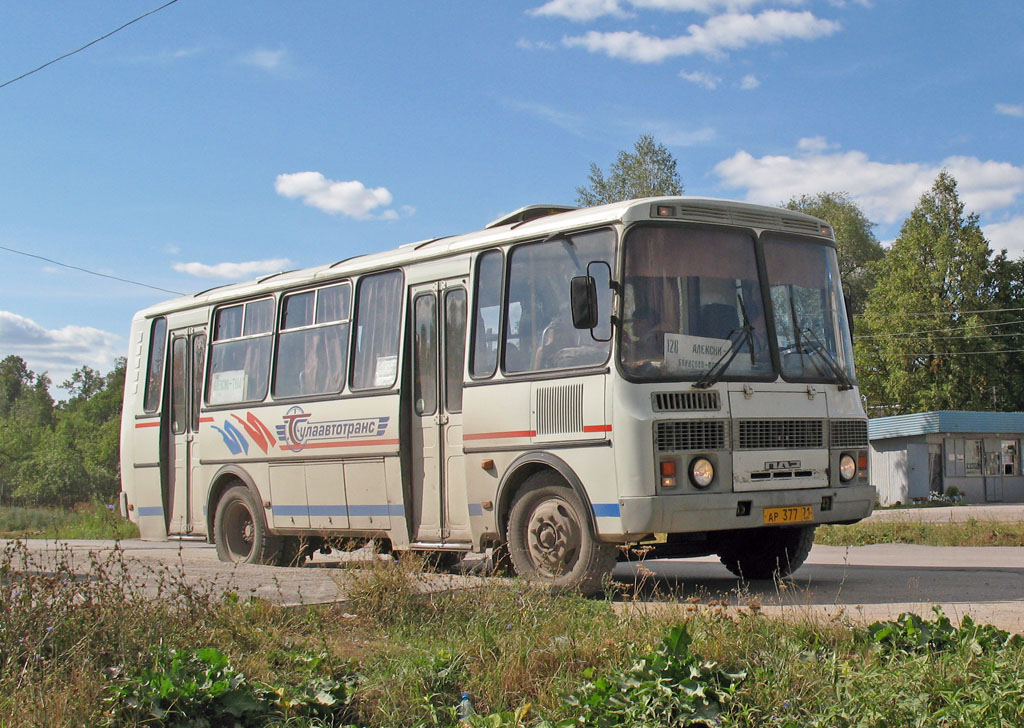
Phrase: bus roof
x=525 y=223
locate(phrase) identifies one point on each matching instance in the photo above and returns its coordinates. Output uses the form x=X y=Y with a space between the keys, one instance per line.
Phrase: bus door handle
x=440 y=419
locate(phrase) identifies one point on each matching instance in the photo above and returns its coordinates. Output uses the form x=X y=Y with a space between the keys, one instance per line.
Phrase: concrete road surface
x=864 y=583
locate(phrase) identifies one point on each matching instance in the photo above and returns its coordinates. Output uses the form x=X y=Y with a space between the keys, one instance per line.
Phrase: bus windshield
x=692 y=304
x=813 y=334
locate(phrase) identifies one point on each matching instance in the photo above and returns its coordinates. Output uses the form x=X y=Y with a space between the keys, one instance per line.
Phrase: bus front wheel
x=240 y=530
x=550 y=540
x=767 y=552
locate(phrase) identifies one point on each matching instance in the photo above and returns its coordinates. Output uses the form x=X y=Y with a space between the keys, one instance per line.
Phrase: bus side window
x=487 y=315
x=155 y=375
x=312 y=345
x=239 y=368
x=378 y=330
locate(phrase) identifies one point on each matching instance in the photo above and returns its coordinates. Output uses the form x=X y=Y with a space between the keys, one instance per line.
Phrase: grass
x=87 y=520
x=87 y=645
x=968 y=533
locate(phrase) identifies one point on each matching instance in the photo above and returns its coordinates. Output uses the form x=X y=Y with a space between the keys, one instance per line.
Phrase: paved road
x=864 y=583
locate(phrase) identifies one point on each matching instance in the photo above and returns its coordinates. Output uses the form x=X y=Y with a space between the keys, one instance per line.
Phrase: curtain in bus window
x=378 y=331
x=539 y=334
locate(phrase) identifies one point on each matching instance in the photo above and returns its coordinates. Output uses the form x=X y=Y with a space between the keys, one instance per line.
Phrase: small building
x=977 y=453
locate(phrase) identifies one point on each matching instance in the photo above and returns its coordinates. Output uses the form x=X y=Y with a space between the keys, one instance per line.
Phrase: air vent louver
x=686 y=401
x=560 y=409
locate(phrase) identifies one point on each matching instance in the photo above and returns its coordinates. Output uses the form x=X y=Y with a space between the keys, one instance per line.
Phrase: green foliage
x=648 y=171
x=667 y=687
x=201 y=688
x=85 y=520
x=917 y=342
x=59 y=454
x=912 y=633
x=858 y=249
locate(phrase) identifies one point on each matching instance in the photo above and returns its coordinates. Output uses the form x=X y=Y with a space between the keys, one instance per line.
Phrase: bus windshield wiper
x=812 y=344
x=717 y=370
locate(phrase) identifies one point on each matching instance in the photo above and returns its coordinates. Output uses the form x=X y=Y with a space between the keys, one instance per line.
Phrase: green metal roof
x=927 y=423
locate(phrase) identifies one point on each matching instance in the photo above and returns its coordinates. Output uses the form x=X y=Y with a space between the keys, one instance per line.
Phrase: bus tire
x=240 y=530
x=768 y=552
x=550 y=540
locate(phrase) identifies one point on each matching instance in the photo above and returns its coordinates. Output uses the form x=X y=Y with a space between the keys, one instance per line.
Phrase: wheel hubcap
x=240 y=531
x=553 y=538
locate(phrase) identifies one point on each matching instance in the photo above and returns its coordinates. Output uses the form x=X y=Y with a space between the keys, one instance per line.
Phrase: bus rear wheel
x=550 y=540
x=767 y=552
x=240 y=530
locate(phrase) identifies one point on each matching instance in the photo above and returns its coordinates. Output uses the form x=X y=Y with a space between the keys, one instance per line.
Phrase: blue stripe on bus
x=356 y=511
x=151 y=511
x=606 y=510
x=475 y=509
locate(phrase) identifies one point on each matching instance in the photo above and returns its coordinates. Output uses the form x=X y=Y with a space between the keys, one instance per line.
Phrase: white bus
x=676 y=371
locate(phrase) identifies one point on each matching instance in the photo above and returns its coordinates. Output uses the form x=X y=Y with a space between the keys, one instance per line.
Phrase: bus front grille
x=779 y=434
x=673 y=436
x=686 y=401
x=848 y=433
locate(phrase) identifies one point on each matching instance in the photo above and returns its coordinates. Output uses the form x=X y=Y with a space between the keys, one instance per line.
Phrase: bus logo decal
x=257 y=431
x=234 y=439
x=298 y=430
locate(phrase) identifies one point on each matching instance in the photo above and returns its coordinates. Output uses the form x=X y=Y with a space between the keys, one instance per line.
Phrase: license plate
x=789 y=514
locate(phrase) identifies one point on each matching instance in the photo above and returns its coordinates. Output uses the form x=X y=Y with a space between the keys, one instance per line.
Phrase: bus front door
x=440 y=513
x=188 y=355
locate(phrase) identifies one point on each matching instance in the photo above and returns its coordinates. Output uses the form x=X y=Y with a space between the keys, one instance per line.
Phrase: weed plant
x=968 y=533
x=99 y=643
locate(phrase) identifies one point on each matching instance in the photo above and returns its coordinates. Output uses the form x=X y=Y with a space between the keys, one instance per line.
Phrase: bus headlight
x=847 y=468
x=702 y=472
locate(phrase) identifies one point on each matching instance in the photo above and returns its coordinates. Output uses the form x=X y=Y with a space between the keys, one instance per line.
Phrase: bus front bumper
x=727 y=511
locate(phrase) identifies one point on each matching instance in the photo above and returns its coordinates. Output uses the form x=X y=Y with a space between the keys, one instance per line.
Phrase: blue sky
x=217 y=141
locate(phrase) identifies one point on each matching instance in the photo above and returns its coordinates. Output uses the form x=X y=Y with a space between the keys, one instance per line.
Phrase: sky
x=212 y=142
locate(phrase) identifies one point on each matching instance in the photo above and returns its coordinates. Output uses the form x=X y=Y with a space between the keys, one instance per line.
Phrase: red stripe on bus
x=344 y=443
x=597 y=428
x=500 y=435
x=206 y=419
x=140 y=425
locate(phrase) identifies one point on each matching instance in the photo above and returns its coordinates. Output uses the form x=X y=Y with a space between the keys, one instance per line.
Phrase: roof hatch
x=528 y=213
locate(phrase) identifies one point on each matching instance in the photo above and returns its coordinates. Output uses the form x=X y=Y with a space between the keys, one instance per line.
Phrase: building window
x=975 y=458
x=1009 y=457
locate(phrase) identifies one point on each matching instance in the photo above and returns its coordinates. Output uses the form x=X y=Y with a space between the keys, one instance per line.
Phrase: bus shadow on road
x=681 y=580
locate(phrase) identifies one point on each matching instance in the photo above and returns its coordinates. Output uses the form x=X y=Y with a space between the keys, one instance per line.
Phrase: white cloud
x=1011 y=110
x=731 y=31
x=1008 y=235
x=701 y=78
x=579 y=10
x=351 y=198
x=233 y=271
x=886 y=191
x=815 y=144
x=749 y=82
x=586 y=10
x=535 y=45
x=58 y=352
x=266 y=59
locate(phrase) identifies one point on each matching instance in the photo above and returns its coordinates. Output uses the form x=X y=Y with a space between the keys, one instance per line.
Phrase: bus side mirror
x=583 y=302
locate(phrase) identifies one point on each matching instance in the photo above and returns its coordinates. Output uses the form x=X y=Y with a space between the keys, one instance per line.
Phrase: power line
x=90 y=272
x=938 y=313
x=90 y=43
x=936 y=331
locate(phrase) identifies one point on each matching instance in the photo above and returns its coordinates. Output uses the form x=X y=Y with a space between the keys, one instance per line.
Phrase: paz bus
x=673 y=371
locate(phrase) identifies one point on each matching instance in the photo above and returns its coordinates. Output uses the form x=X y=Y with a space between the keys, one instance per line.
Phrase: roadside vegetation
x=967 y=533
x=87 y=520
x=84 y=644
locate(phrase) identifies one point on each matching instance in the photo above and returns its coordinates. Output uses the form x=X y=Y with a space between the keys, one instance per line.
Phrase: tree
x=26 y=416
x=921 y=344
x=648 y=171
x=859 y=251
